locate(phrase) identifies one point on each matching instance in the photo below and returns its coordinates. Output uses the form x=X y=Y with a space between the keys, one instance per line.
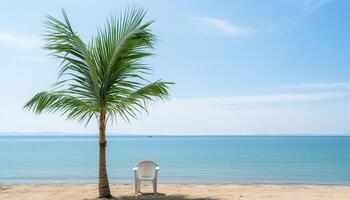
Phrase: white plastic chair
x=146 y=170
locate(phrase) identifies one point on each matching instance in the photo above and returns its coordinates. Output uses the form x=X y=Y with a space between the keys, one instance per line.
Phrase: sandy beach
x=177 y=192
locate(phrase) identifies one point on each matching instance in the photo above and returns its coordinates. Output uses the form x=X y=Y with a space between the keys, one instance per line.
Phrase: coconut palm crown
x=102 y=79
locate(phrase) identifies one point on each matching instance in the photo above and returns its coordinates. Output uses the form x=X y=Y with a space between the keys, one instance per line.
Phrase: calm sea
x=204 y=159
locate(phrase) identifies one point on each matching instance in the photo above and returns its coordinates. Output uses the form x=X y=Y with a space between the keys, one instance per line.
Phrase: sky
x=243 y=67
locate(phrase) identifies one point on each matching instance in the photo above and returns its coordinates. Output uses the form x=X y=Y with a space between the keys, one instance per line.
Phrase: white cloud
x=319 y=86
x=261 y=114
x=297 y=113
x=220 y=26
x=309 y=7
x=15 y=47
x=273 y=98
x=312 y=5
x=19 y=41
x=33 y=59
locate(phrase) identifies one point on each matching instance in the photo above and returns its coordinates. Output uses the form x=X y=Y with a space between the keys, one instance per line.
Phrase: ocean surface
x=182 y=159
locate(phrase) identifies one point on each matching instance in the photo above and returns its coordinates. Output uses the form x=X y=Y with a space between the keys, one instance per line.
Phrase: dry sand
x=178 y=192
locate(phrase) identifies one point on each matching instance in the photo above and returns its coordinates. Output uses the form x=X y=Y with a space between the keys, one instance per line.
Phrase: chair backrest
x=146 y=168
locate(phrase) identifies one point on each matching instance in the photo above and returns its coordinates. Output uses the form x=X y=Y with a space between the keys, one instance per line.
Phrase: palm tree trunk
x=103 y=185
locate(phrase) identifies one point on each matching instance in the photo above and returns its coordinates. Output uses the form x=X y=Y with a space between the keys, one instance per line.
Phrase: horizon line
x=43 y=133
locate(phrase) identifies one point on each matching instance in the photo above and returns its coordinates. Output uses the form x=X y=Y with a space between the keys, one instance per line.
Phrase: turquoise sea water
x=205 y=159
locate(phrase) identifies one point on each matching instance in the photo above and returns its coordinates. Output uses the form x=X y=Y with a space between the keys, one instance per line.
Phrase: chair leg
x=154 y=186
x=139 y=187
x=136 y=187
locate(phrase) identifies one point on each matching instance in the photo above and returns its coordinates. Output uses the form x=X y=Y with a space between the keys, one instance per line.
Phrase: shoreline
x=67 y=191
x=45 y=134
x=165 y=183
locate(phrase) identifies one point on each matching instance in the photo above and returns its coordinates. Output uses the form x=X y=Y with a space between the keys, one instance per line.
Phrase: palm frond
x=55 y=101
x=76 y=56
x=120 y=45
x=130 y=103
x=104 y=76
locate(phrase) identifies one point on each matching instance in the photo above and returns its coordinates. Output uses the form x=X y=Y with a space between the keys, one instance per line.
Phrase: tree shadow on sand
x=159 y=196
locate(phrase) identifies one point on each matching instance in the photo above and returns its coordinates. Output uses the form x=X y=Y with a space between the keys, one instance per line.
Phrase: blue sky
x=240 y=67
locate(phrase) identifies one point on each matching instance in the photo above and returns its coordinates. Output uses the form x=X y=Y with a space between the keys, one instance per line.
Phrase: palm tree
x=102 y=79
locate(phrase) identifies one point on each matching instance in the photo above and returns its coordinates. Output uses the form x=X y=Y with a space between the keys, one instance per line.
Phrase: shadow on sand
x=159 y=196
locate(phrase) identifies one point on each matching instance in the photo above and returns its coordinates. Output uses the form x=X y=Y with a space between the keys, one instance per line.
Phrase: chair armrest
x=156 y=173
x=135 y=172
